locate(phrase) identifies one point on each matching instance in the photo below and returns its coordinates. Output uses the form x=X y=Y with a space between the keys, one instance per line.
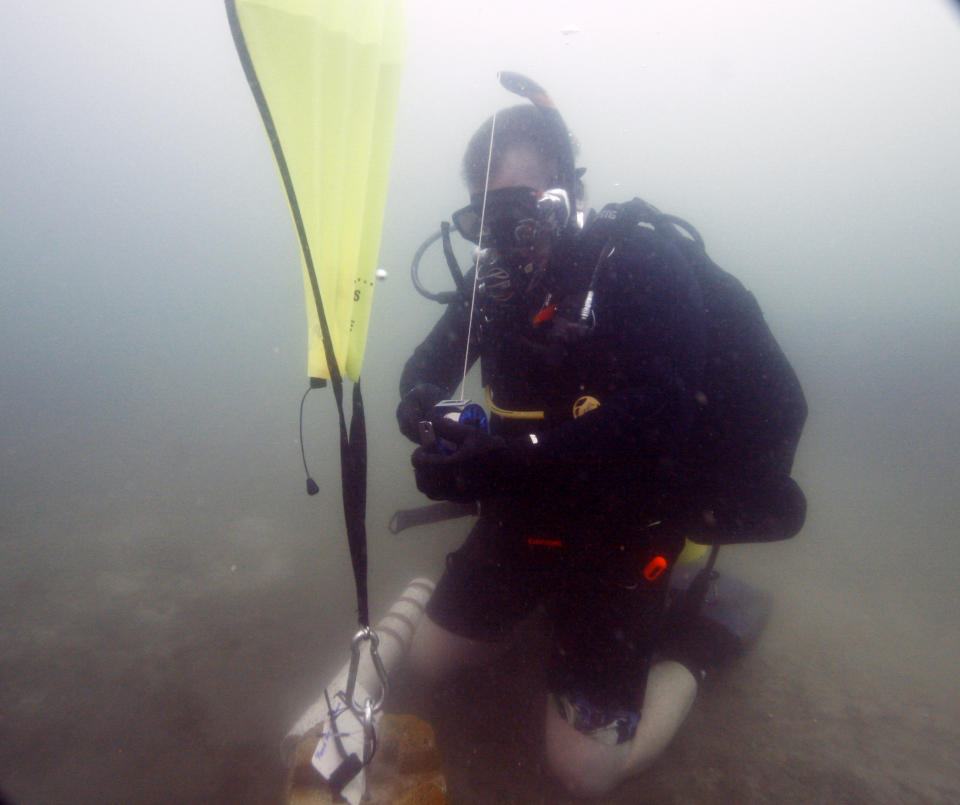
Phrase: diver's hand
x=481 y=466
x=415 y=407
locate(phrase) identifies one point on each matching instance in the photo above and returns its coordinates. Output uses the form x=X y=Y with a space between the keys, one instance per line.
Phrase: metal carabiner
x=369 y=732
x=375 y=704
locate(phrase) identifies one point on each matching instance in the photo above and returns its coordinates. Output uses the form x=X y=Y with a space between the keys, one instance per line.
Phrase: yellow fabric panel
x=330 y=73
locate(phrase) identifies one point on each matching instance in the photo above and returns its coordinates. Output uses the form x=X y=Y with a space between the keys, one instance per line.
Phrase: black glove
x=415 y=407
x=481 y=465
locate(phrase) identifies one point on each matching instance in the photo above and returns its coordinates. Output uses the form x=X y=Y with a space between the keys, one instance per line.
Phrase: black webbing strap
x=353 y=472
x=353 y=445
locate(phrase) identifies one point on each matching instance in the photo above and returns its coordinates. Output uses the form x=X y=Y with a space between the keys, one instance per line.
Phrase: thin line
x=391 y=633
x=408 y=622
x=411 y=601
x=303 y=453
x=476 y=267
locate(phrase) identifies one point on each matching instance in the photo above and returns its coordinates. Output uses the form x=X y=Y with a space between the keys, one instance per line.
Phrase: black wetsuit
x=699 y=414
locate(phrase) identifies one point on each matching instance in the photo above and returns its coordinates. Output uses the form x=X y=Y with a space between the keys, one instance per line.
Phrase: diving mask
x=514 y=215
x=521 y=227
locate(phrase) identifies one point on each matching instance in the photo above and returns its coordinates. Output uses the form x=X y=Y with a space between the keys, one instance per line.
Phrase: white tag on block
x=327 y=757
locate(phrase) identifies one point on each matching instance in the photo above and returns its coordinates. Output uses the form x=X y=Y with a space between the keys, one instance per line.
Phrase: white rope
x=476 y=267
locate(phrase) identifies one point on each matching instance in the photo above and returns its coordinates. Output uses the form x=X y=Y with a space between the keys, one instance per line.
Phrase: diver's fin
x=728 y=621
x=738 y=607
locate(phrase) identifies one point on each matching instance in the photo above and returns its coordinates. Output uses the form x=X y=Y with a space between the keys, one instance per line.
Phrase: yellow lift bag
x=326 y=76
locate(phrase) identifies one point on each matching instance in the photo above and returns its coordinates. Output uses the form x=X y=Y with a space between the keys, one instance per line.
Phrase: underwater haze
x=171 y=599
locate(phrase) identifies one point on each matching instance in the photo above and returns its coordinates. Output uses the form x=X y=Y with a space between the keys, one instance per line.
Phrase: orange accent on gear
x=545 y=315
x=654 y=568
x=544 y=543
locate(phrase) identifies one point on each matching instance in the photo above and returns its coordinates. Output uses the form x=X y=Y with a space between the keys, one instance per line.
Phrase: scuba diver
x=636 y=399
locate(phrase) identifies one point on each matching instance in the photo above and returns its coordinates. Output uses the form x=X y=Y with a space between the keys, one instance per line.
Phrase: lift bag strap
x=353 y=444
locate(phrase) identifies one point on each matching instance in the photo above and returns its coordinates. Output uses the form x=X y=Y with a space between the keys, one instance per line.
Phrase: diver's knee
x=584 y=779
x=584 y=766
x=435 y=652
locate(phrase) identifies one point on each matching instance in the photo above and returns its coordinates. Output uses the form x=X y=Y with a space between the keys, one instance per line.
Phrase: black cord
x=312 y=487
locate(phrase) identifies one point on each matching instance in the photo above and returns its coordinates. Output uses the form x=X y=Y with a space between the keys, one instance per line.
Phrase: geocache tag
x=345 y=775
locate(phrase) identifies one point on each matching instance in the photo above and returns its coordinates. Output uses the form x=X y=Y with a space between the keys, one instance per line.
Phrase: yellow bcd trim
x=503 y=412
x=692 y=552
x=583 y=404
